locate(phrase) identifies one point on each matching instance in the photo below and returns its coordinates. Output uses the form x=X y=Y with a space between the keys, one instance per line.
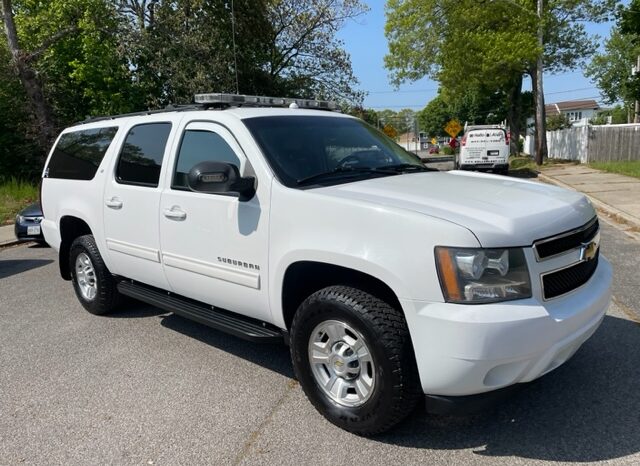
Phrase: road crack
x=255 y=435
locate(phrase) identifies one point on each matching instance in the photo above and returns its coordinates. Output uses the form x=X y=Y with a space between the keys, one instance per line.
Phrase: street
x=146 y=387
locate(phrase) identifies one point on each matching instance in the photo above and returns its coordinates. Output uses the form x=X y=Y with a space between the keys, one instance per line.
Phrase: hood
x=33 y=210
x=500 y=211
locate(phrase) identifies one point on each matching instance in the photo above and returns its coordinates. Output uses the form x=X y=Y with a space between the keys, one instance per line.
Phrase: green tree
x=64 y=54
x=179 y=48
x=306 y=58
x=615 y=116
x=629 y=20
x=18 y=153
x=557 y=122
x=367 y=114
x=611 y=69
x=434 y=117
x=489 y=45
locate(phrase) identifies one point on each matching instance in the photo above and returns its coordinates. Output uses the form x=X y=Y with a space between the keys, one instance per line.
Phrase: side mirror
x=221 y=178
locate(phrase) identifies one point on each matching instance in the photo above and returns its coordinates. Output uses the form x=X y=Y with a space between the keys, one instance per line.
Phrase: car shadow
x=11 y=267
x=274 y=357
x=523 y=173
x=587 y=410
x=38 y=245
x=133 y=309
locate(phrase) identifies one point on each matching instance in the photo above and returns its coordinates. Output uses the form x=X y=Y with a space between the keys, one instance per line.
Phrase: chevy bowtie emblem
x=589 y=250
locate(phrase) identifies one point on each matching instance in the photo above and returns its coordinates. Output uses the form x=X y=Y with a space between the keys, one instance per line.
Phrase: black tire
x=107 y=297
x=397 y=387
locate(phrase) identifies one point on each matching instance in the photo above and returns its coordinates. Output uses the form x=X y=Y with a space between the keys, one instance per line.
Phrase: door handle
x=175 y=213
x=114 y=203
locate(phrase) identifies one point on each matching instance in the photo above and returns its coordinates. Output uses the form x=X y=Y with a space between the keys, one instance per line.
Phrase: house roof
x=570 y=105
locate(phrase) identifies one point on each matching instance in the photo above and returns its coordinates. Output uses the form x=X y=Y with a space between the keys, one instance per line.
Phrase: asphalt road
x=146 y=387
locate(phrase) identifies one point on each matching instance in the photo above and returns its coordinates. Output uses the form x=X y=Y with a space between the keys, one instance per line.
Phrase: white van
x=484 y=147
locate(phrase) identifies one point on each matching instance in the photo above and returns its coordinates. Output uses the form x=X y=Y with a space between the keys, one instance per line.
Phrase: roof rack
x=222 y=101
x=228 y=100
x=168 y=108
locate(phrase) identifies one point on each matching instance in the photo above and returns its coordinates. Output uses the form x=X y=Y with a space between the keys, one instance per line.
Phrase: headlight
x=482 y=275
x=19 y=219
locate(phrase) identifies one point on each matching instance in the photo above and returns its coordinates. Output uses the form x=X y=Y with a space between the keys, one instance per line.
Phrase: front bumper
x=485 y=165
x=21 y=230
x=469 y=349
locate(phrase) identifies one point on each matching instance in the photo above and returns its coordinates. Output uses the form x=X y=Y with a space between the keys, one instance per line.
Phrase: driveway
x=147 y=387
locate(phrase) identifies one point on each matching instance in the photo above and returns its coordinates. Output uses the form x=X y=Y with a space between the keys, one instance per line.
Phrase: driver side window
x=200 y=146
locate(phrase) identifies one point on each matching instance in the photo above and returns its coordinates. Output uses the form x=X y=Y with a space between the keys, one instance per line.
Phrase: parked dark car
x=27 y=226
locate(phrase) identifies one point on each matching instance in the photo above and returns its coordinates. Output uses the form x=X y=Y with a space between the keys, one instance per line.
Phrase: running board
x=225 y=321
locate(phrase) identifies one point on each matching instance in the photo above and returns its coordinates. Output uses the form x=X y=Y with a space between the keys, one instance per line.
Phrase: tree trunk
x=39 y=106
x=541 y=118
x=513 y=117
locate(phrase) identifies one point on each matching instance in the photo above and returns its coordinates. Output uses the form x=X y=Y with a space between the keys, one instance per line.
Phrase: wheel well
x=70 y=229
x=305 y=278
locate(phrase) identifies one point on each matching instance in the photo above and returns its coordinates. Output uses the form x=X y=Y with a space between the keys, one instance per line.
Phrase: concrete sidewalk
x=618 y=196
x=7 y=235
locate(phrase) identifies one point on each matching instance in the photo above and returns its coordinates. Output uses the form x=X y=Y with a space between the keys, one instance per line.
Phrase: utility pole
x=541 y=124
x=636 y=118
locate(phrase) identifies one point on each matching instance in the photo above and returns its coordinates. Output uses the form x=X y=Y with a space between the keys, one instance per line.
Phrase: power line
x=420 y=106
x=406 y=91
x=571 y=90
x=413 y=91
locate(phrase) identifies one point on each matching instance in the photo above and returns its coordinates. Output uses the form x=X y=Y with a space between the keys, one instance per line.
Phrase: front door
x=214 y=247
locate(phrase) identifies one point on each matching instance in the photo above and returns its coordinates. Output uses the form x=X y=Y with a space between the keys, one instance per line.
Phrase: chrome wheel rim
x=86 y=277
x=341 y=363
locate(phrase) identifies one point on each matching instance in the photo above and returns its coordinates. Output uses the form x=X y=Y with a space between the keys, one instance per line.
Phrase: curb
x=610 y=211
x=8 y=244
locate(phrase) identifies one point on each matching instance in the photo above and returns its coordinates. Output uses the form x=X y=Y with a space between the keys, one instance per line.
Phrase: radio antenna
x=233 y=40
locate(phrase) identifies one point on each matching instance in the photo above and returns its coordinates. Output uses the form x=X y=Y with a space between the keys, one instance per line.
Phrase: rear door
x=132 y=202
x=483 y=145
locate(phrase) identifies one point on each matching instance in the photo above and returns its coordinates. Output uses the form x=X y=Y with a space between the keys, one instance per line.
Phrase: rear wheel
x=353 y=357
x=94 y=285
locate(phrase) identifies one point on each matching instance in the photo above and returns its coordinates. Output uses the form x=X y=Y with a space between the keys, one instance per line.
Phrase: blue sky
x=364 y=39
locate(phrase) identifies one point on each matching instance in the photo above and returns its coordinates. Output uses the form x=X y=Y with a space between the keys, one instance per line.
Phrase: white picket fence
x=601 y=143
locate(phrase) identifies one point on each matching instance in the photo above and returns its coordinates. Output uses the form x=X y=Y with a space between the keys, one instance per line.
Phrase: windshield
x=300 y=147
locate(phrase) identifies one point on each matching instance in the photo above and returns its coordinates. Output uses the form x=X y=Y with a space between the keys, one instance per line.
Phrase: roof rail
x=168 y=108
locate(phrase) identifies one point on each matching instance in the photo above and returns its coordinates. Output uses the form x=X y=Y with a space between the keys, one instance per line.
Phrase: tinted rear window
x=142 y=153
x=77 y=155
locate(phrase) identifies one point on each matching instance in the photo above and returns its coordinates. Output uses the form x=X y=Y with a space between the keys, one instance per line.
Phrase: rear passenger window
x=141 y=155
x=200 y=146
x=77 y=155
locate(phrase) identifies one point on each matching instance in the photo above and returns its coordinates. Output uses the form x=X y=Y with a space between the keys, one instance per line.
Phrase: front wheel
x=353 y=357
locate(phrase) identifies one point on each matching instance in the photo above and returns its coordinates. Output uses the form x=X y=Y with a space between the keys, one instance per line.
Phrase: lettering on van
x=237 y=263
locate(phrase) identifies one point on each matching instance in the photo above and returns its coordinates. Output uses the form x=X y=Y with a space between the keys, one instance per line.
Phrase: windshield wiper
x=406 y=168
x=349 y=171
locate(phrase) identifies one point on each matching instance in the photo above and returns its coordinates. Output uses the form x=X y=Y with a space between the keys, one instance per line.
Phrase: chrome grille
x=552 y=246
x=563 y=281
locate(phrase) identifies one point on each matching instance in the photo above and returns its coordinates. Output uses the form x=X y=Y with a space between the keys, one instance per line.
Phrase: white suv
x=388 y=280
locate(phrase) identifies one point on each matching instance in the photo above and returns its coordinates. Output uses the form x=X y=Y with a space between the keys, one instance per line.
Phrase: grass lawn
x=629 y=168
x=15 y=195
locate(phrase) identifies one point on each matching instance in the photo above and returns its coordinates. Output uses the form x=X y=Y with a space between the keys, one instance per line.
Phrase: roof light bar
x=262 y=101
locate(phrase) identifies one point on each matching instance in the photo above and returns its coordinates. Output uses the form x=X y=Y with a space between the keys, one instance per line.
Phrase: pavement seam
x=254 y=435
x=626 y=311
